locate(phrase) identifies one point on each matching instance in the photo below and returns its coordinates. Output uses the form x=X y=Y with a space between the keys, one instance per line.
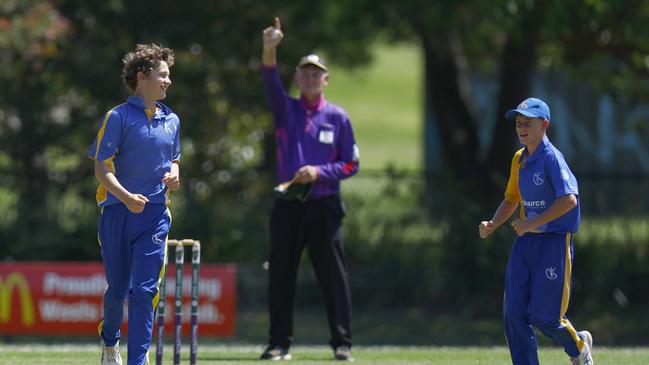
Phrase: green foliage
x=383 y=100
x=405 y=255
x=67 y=55
x=8 y=207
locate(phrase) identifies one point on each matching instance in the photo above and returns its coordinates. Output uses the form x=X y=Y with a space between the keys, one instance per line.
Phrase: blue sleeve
x=108 y=138
x=348 y=156
x=562 y=180
x=176 y=147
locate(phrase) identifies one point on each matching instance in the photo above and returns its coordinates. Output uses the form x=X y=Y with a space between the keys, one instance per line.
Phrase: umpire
x=315 y=150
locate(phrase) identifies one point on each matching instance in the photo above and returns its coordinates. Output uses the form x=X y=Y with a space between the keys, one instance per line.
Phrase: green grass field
x=89 y=354
x=384 y=102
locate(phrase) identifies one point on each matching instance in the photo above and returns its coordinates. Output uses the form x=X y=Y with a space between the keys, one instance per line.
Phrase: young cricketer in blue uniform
x=538 y=275
x=136 y=154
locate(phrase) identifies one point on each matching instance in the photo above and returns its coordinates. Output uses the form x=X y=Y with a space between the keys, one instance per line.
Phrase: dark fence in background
x=419 y=273
x=613 y=193
x=413 y=249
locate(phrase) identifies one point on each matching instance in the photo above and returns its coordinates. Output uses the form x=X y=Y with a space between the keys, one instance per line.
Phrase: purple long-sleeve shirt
x=318 y=134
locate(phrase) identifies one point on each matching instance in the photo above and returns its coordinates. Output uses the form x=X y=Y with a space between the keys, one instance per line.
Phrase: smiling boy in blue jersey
x=137 y=155
x=538 y=275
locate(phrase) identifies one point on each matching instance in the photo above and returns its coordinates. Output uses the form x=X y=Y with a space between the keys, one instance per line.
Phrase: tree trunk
x=447 y=109
x=33 y=183
x=518 y=63
x=515 y=85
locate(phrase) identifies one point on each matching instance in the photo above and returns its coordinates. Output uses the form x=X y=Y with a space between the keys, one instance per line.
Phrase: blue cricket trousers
x=537 y=291
x=133 y=247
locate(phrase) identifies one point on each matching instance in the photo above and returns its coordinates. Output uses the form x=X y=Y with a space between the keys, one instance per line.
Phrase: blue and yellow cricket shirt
x=138 y=145
x=538 y=180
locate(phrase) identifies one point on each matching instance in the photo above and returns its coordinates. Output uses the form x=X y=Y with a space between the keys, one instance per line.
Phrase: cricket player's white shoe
x=110 y=354
x=586 y=356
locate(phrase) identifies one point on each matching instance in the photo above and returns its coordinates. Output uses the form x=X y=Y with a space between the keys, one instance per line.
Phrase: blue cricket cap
x=531 y=108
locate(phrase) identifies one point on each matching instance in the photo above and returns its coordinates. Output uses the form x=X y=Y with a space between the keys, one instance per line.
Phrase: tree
x=510 y=42
x=61 y=63
x=31 y=114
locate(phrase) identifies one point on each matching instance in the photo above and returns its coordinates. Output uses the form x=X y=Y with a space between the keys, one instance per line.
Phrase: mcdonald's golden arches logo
x=7 y=285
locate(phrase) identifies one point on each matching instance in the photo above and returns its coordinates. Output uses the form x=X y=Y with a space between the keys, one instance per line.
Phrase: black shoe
x=275 y=353
x=343 y=353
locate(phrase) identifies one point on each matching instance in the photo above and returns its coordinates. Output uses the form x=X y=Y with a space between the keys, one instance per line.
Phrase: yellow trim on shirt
x=512 y=193
x=150 y=113
x=102 y=130
x=102 y=193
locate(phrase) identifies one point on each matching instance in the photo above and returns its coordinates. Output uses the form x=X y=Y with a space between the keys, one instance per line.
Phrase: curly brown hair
x=145 y=58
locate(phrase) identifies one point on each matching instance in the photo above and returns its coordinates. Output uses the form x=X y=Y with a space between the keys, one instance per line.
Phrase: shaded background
x=426 y=85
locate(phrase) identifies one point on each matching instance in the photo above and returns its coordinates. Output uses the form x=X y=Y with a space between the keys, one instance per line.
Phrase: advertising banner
x=65 y=298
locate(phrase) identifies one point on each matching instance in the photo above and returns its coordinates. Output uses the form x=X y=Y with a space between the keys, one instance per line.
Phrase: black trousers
x=316 y=224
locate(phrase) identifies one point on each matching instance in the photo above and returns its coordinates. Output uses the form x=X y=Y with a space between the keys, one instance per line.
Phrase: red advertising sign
x=66 y=298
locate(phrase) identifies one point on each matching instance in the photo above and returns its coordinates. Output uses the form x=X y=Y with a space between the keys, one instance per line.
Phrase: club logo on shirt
x=537 y=179
x=156 y=238
x=550 y=273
